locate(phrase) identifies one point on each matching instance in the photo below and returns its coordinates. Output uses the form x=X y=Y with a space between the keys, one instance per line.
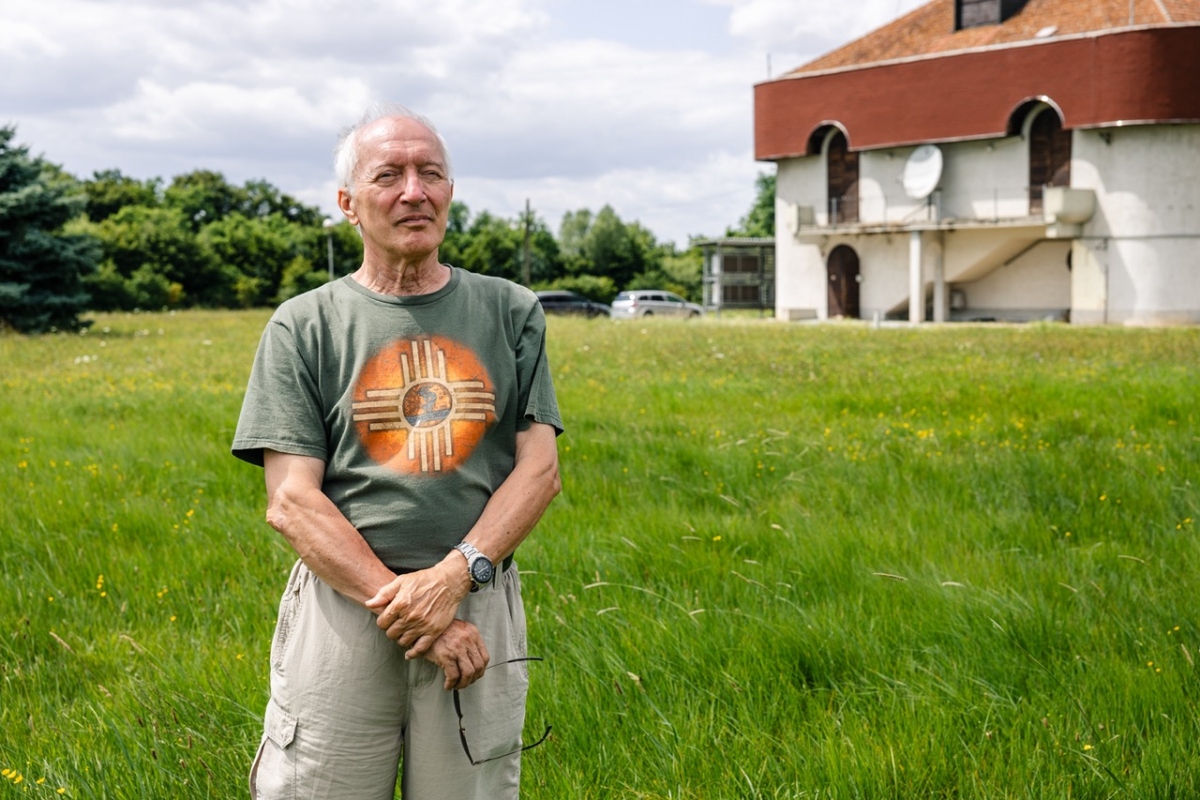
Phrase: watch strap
x=472 y=554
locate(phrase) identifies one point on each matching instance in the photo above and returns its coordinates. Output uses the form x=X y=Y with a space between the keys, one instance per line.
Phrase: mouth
x=414 y=219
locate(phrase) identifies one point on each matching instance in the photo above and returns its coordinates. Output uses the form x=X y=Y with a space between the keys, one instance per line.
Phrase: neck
x=404 y=278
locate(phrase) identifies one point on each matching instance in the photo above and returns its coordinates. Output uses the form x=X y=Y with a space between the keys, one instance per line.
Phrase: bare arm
x=323 y=538
x=414 y=609
x=337 y=553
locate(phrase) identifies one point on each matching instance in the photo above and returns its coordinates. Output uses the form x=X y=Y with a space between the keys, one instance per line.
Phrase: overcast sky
x=645 y=105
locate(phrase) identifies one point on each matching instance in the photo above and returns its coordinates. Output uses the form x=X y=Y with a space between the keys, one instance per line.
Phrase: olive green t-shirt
x=413 y=403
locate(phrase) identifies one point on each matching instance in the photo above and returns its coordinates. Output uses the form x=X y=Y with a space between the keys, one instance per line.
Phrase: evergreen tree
x=41 y=267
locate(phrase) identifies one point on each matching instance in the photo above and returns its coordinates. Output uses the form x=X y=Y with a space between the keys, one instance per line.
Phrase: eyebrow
x=419 y=164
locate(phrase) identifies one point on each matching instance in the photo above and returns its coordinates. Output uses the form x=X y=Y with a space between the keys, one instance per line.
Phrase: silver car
x=653 y=303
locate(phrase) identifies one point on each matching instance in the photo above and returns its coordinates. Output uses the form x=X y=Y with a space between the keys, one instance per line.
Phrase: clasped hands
x=416 y=610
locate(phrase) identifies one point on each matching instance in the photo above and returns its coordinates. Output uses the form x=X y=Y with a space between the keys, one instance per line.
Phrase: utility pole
x=329 y=225
x=525 y=248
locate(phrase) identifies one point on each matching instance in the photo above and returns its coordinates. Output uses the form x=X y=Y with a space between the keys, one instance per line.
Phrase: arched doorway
x=842 y=180
x=1049 y=156
x=843 y=282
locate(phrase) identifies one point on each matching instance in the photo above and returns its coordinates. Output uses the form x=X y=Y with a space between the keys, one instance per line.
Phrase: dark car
x=563 y=302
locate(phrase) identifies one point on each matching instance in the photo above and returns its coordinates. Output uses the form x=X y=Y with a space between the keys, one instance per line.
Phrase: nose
x=414 y=188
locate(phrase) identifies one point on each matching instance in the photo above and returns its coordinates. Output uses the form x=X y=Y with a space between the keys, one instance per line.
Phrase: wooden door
x=843 y=282
x=1049 y=157
x=842 y=181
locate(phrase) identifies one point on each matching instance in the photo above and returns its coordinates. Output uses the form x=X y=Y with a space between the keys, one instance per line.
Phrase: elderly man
x=405 y=419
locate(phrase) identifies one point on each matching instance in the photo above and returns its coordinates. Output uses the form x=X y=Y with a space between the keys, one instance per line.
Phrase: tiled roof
x=929 y=30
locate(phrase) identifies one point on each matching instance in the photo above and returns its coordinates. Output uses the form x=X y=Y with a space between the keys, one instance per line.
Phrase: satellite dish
x=922 y=172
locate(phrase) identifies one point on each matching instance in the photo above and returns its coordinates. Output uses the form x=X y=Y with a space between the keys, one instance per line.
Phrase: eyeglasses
x=462 y=732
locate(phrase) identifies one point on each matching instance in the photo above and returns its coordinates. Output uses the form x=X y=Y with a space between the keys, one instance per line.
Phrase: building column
x=939 y=280
x=718 y=269
x=916 y=284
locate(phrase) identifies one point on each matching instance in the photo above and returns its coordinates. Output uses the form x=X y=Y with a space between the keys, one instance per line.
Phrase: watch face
x=482 y=570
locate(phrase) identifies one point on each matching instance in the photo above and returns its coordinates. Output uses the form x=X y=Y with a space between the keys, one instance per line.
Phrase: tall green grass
x=788 y=561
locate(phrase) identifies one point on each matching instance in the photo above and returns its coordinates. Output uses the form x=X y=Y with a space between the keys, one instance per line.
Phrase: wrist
x=458 y=573
x=480 y=569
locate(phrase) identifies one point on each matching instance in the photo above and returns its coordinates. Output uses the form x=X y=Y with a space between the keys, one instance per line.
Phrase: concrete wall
x=800 y=277
x=1034 y=285
x=1140 y=253
x=1137 y=261
x=980 y=180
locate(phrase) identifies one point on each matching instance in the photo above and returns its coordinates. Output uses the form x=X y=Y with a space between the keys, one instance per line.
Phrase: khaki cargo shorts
x=348 y=714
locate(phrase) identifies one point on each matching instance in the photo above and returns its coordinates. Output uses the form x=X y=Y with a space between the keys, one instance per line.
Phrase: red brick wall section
x=1145 y=75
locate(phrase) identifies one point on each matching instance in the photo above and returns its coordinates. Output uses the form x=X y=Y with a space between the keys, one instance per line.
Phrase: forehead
x=398 y=140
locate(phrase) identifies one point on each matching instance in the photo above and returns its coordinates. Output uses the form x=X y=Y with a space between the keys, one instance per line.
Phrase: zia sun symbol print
x=422 y=405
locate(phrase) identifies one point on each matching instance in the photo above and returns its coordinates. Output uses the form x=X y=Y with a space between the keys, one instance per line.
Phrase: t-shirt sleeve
x=535 y=386
x=282 y=407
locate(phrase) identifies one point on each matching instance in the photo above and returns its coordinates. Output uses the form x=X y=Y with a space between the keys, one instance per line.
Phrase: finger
x=453 y=676
x=479 y=659
x=419 y=647
x=385 y=595
x=400 y=633
x=407 y=636
x=388 y=616
x=484 y=655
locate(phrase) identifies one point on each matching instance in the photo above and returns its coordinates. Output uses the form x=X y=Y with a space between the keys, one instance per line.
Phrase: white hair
x=345 y=153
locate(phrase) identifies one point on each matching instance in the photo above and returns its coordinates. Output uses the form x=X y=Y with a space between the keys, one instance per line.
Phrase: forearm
x=320 y=534
x=519 y=502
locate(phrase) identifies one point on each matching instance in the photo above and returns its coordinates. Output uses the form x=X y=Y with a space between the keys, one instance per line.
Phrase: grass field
x=788 y=562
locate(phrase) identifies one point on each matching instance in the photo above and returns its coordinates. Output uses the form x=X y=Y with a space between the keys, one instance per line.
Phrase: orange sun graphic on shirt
x=421 y=405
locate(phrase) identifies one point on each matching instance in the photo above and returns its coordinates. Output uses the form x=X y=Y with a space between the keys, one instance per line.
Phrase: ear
x=345 y=202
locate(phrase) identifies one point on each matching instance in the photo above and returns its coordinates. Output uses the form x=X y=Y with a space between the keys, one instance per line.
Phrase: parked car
x=563 y=302
x=653 y=302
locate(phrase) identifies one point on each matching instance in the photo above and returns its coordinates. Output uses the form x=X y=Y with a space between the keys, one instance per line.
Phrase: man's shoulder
x=306 y=305
x=514 y=293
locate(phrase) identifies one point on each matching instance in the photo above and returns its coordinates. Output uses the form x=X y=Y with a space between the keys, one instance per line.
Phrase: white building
x=993 y=159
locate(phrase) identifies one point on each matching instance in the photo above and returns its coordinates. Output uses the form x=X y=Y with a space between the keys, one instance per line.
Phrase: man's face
x=401 y=190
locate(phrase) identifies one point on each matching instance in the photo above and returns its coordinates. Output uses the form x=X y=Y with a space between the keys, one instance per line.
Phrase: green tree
x=492 y=245
x=457 y=222
x=153 y=259
x=617 y=250
x=310 y=268
x=41 y=264
x=593 y=287
x=204 y=197
x=262 y=200
x=759 y=222
x=678 y=272
x=545 y=260
x=572 y=236
x=109 y=191
x=257 y=250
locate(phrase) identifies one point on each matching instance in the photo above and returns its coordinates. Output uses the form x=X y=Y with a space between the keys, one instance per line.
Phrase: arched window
x=842 y=180
x=843 y=282
x=1049 y=156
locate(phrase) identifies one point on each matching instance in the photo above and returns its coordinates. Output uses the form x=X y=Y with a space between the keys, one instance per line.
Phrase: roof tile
x=929 y=30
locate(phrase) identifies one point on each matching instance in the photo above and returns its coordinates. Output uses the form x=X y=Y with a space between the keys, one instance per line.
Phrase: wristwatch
x=480 y=568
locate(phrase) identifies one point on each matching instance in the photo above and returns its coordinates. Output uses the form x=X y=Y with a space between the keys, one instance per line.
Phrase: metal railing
x=990 y=204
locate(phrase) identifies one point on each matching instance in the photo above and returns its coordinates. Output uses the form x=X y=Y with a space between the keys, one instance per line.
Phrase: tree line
x=112 y=242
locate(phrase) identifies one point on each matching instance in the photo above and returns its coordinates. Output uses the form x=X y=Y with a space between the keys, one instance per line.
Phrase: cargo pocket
x=274 y=772
x=289 y=610
x=493 y=710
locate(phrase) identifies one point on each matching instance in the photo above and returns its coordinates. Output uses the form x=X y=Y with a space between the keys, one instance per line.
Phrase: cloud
x=534 y=101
